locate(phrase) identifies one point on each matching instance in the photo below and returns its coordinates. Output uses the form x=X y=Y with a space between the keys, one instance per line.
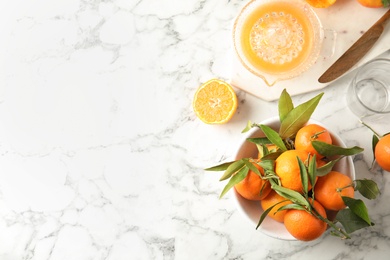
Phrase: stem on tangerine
x=369 y=127
x=315 y=136
x=341 y=232
x=347 y=186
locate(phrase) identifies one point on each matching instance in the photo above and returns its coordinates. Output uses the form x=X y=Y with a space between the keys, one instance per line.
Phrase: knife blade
x=356 y=51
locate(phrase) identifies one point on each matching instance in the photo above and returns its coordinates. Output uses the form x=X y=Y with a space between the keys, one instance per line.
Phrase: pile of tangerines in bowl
x=294 y=179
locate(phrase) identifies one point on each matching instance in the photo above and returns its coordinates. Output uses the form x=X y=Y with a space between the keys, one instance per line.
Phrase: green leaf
x=368 y=188
x=375 y=140
x=285 y=105
x=292 y=195
x=304 y=177
x=259 y=140
x=234 y=167
x=350 y=221
x=252 y=167
x=271 y=156
x=312 y=170
x=267 y=165
x=358 y=207
x=325 y=169
x=239 y=176
x=298 y=117
x=264 y=215
x=332 y=150
x=263 y=151
x=291 y=206
x=247 y=127
x=220 y=167
x=274 y=137
x=386 y=3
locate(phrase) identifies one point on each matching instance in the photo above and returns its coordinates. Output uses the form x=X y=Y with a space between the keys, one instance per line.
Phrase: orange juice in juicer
x=277 y=39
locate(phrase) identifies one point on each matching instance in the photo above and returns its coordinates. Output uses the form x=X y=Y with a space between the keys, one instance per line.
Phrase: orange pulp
x=277 y=37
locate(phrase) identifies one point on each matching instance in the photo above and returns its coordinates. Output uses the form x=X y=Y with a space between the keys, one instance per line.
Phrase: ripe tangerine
x=309 y=133
x=287 y=168
x=372 y=3
x=253 y=187
x=321 y=3
x=382 y=153
x=303 y=225
x=270 y=201
x=329 y=189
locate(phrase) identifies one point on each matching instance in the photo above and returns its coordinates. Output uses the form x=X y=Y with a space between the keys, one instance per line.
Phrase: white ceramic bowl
x=252 y=209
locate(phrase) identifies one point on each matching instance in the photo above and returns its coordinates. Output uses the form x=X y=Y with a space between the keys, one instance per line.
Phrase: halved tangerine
x=215 y=102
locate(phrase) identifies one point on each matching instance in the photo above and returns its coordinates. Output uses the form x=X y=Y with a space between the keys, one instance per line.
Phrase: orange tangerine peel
x=374 y=3
x=320 y=3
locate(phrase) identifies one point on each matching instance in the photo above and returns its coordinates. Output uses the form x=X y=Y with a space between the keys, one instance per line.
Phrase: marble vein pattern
x=101 y=155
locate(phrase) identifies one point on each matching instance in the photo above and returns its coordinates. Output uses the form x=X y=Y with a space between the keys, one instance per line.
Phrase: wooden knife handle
x=383 y=20
x=356 y=51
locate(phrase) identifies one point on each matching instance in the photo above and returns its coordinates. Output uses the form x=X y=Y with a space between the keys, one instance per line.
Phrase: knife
x=356 y=51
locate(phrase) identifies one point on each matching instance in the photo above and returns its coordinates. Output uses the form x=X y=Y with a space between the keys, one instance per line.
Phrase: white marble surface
x=101 y=155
